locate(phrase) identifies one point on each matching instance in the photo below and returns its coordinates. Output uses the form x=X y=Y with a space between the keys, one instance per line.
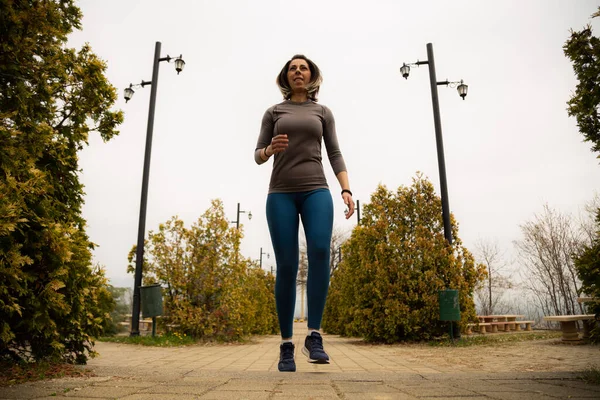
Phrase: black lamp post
x=237 y=220
x=358 y=211
x=462 y=92
x=261 y=254
x=139 y=256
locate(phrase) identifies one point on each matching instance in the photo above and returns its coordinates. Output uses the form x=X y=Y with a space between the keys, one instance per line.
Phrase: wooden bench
x=568 y=325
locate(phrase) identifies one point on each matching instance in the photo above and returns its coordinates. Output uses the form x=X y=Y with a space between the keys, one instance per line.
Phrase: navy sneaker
x=313 y=349
x=286 y=358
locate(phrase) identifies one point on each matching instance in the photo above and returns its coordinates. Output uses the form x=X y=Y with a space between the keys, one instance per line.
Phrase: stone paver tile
x=457 y=398
x=483 y=386
x=555 y=390
x=43 y=398
x=127 y=383
x=195 y=380
x=245 y=384
x=573 y=384
x=365 y=387
x=163 y=396
x=147 y=376
x=414 y=380
x=316 y=389
x=422 y=370
x=379 y=396
x=235 y=395
x=305 y=397
x=515 y=396
x=91 y=392
x=436 y=391
x=196 y=389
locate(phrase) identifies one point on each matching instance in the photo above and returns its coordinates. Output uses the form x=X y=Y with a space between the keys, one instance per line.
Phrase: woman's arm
x=346 y=193
x=336 y=159
x=267 y=145
x=264 y=138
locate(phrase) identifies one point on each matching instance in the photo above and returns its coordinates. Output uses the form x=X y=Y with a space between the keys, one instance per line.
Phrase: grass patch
x=495 y=339
x=591 y=375
x=17 y=373
x=168 y=340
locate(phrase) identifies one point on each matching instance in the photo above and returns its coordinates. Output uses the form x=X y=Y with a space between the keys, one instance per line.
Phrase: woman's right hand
x=278 y=144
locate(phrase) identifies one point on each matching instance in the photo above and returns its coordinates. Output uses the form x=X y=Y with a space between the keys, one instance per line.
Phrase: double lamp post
x=462 y=91
x=139 y=255
x=449 y=299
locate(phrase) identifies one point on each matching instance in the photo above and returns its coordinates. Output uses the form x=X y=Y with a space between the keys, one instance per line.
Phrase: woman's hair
x=312 y=87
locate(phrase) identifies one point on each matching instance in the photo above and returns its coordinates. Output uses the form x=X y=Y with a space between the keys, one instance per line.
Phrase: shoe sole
x=314 y=361
x=287 y=370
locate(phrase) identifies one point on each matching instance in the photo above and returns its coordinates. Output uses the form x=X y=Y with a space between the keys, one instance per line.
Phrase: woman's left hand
x=349 y=203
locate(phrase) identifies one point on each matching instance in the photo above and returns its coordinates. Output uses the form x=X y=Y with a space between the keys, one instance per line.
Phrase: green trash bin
x=151 y=299
x=449 y=307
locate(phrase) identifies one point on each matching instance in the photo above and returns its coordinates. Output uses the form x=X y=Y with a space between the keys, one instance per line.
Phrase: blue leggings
x=316 y=210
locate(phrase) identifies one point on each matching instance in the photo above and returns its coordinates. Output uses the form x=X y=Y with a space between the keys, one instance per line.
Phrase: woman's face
x=298 y=75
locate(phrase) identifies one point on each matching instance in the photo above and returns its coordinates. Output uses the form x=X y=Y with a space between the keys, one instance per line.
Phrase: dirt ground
x=550 y=355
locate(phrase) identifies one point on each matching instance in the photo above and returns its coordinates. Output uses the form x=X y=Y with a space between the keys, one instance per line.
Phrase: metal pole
x=358 y=211
x=440 y=144
x=237 y=221
x=261 y=253
x=454 y=329
x=139 y=256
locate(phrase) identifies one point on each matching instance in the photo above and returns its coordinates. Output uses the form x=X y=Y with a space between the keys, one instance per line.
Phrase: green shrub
x=394 y=264
x=53 y=302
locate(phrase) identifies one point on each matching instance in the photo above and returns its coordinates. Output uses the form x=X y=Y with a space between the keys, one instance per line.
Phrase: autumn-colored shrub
x=210 y=290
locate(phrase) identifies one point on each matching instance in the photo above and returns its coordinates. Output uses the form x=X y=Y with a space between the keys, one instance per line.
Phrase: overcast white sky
x=510 y=146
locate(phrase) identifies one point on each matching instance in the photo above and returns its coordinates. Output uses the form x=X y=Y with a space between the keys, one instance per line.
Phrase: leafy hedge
x=53 y=302
x=394 y=264
x=210 y=291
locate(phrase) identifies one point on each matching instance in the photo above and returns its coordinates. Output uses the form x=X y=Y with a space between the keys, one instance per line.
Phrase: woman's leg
x=282 y=217
x=317 y=219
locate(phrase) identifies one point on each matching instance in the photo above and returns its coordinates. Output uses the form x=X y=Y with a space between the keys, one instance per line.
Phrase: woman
x=292 y=132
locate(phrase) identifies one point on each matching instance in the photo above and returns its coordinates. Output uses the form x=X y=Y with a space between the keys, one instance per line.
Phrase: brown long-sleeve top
x=299 y=167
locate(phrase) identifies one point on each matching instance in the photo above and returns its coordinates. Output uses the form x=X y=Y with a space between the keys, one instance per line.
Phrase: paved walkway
x=540 y=370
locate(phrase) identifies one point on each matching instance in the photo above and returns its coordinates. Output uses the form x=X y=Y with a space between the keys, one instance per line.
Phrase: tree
x=490 y=291
x=52 y=301
x=583 y=49
x=394 y=265
x=549 y=243
x=210 y=291
x=587 y=264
